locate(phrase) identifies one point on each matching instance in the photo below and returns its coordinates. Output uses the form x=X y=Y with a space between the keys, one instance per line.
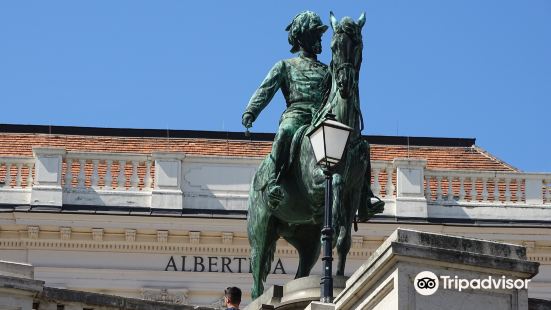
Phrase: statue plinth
x=296 y=294
x=421 y=270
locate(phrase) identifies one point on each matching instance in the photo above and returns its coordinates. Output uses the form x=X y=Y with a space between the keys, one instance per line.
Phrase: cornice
x=149 y=247
x=194 y=243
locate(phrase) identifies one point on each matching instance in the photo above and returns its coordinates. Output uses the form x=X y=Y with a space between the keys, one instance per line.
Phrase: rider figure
x=302 y=81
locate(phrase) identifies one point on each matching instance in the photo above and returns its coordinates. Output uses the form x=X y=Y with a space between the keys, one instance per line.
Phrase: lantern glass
x=335 y=142
x=318 y=144
x=329 y=141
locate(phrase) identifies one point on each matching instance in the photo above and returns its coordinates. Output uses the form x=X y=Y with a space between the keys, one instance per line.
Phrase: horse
x=299 y=216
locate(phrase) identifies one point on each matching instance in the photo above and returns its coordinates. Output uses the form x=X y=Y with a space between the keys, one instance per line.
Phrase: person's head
x=232 y=296
x=305 y=33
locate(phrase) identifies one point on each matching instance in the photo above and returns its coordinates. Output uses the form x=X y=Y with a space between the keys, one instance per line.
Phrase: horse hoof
x=379 y=206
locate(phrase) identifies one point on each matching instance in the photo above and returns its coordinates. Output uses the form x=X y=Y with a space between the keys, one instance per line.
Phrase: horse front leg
x=337 y=206
x=343 y=247
x=344 y=243
x=340 y=216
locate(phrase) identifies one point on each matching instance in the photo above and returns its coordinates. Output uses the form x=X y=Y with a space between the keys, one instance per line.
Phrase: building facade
x=161 y=215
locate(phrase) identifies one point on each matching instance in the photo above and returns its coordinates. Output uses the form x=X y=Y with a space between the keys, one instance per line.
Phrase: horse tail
x=270 y=251
x=262 y=233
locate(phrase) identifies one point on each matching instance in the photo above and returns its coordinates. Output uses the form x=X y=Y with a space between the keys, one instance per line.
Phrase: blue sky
x=431 y=68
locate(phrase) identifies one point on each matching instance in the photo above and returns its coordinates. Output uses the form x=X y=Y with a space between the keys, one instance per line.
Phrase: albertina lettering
x=215 y=264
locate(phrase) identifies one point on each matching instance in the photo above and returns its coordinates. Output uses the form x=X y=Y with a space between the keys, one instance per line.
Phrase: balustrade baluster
x=450 y=188
x=462 y=188
x=548 y=192
x=108 y=179
x=428 y=192
x=473 y=189
x=496 y=189
x=18 y=176
x=507 y=189
x=438 y=188
x=121 y=179
x=2 y=184
x=7 y=179
x=69 y=174
x=81 y=178
x=30 y=176
x=376 y=186
x=389 y=185
x=94 y=179
x=134 y=178
x=519 y=190
x=484 y=189
x=147 y=177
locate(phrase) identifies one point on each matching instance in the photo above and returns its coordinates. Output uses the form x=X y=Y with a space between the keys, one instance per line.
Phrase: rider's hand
x=247 y=120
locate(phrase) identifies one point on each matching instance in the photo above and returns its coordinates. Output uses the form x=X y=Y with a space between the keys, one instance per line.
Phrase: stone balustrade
x=487 y=187
x=382 y=173
x=16 y=172
x=113 y=171
x=56 y=177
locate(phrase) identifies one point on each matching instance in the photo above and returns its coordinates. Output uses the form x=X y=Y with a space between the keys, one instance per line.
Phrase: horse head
x=346 y=46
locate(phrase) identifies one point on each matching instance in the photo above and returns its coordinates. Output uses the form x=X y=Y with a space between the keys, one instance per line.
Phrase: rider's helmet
x=304 y=23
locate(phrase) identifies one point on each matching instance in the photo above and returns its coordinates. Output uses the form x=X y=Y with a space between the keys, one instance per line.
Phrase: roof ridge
x=495 y=158
x=216 y=135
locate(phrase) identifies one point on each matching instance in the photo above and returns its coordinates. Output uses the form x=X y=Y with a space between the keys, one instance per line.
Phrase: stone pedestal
x=418 y=270
x=414 y=270
x=296 y=294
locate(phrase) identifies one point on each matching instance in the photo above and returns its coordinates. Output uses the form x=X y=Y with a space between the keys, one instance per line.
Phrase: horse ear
x=334 y=22
x=361 y=20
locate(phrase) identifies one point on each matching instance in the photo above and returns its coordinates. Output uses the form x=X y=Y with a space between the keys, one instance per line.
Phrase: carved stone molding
x=530 y=245
x=33 y=232
x=172 y=296
x=227 y=238
x=162 y=236
x=65 y=233
x=357 y=242
x=218 y=303
x=194 y=237
x=130 y=235
x=97 y=234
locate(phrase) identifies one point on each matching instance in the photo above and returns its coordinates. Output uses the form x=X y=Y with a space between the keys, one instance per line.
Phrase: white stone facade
x=180 y=232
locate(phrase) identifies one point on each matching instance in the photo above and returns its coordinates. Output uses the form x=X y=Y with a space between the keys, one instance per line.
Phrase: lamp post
x=328 y=141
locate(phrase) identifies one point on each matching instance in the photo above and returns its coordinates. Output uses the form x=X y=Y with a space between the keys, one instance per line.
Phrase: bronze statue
x=286 y=198
x=301 y=82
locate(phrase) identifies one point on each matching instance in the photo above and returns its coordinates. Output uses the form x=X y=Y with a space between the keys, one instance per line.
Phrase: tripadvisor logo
x=427 y=283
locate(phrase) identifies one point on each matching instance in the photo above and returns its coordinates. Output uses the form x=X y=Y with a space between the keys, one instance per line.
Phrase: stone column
x=410 y=193
x=46 y=190
x=167 y=193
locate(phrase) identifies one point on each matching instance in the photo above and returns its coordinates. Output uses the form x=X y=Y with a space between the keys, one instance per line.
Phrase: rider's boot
x=275 y=191
x=275 y=194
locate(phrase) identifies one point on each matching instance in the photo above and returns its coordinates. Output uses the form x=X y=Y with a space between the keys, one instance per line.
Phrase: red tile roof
x=18 y=140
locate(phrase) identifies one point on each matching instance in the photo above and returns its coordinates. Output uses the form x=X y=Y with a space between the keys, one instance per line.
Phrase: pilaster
x=47 y=182
x=167 y=193
x=410 y=197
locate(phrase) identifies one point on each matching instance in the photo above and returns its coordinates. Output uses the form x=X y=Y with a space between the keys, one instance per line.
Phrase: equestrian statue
x=286 y=197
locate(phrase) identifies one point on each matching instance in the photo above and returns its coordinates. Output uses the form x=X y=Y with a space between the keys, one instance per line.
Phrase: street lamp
x=328 y=140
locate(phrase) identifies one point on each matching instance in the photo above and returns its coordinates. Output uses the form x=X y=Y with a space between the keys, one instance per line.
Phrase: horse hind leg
x=344 y=244
x=262 y=232
x=308 y=246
